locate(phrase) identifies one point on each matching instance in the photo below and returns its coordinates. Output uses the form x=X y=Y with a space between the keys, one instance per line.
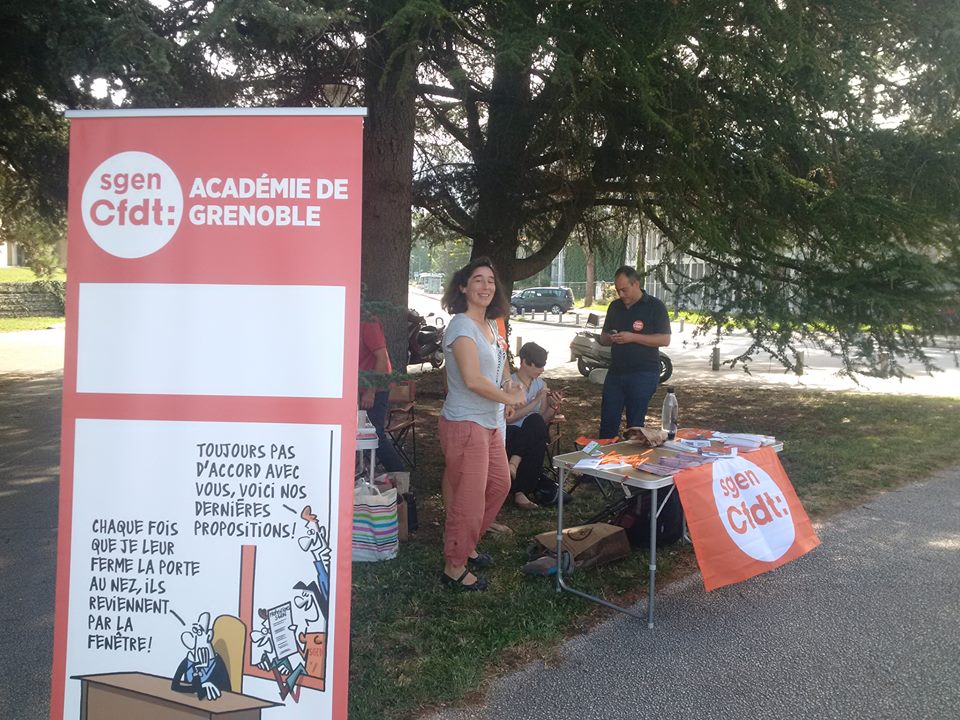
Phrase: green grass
x=417 y=645
x=597 y=307
x=23 y=274
x=28 y=323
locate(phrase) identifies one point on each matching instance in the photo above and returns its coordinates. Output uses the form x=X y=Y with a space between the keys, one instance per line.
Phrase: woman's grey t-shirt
x=531 y=394
x=462 y=403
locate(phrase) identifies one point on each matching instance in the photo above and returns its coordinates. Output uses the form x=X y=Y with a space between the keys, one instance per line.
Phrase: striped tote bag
x=375 y=526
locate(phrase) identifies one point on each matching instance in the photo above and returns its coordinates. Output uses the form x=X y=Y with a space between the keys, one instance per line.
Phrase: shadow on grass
x=415 y=645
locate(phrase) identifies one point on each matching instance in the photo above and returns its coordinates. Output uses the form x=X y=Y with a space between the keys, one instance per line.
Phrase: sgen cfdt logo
x=132 y=204
x=753 y=509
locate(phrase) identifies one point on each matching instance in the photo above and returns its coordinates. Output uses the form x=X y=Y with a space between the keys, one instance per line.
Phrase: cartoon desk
x=149 y=697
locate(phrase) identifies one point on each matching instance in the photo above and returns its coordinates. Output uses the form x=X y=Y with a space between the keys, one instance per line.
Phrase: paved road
x=862 y=628
x=29 y=474
x=691 y=356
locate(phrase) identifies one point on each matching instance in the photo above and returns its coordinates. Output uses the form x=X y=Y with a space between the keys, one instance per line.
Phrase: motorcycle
x=424 y=341
x=590 y=355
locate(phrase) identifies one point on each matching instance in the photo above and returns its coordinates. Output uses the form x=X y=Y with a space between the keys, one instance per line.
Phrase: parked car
x=555 y=299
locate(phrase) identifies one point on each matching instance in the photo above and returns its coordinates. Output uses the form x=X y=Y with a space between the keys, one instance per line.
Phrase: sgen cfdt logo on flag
x=744 y=517
x=753 y=509
x=132 y=204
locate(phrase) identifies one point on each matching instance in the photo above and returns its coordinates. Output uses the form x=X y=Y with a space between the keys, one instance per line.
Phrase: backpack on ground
x=634 y=518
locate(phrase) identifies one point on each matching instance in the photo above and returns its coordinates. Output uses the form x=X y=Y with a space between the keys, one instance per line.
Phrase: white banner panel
x=173 y=339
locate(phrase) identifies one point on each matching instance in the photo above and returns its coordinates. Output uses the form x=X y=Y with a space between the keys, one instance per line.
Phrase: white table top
x=626 y=475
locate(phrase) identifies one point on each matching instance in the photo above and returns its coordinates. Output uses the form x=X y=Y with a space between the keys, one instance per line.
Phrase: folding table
x=630 y=478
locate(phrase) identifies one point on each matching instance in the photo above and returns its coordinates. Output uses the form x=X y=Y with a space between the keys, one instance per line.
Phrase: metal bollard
x=798 y=368
x=681 y=324
x=884 y=365
x=715 y=360
x=519 y=345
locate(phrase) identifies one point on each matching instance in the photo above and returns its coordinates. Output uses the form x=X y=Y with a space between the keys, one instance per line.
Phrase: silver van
x=555 y=299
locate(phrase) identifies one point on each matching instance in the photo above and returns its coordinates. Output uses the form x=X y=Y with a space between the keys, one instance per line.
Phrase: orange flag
x=744 y=517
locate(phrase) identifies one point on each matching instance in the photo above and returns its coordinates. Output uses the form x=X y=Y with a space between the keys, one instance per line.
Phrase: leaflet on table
x=726 y=447
x=591 y=447
x=745 y=440
x=686 y=445
x=589 y=463
x=718 y=452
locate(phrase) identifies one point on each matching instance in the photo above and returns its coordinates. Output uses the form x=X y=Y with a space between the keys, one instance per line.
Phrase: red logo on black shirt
x=637 y=325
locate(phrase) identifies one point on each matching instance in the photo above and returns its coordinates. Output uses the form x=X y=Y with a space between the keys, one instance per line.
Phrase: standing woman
x=476 y=479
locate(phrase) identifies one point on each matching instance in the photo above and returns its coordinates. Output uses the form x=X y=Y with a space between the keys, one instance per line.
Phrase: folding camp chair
x=554 y=436
x=401 y=425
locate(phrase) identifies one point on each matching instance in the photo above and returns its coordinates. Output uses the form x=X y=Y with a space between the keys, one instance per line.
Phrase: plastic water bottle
x=668 y=415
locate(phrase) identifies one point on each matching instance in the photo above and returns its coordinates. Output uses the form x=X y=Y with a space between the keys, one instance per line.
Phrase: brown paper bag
x=589 y=545
x=645 y=437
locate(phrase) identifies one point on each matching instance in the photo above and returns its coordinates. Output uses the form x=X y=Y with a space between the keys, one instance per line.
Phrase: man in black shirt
x=636 y=327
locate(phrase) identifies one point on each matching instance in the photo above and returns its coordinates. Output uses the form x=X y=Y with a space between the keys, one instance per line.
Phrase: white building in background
x=10 y=255
x=558 y=271
x=655 y=247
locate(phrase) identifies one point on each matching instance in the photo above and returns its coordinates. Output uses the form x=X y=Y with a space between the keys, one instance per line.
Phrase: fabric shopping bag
x=375 y=524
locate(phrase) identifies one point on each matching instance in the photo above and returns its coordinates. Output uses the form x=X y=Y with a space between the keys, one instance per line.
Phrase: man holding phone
x=635 y=328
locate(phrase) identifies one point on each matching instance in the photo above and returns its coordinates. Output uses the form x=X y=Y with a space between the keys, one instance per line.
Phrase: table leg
x=561 y=585
x=373 y=464
x=561 y=482
x=651 y=585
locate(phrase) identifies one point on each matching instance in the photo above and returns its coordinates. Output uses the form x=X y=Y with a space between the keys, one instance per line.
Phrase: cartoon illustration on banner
x=159 y=598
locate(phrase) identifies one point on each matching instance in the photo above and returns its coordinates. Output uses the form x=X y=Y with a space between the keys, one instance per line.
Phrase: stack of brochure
x=720 y=444
x=747 y=440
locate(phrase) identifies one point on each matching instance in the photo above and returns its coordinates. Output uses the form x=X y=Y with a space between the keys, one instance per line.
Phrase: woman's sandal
x=481 y=561
x=457 y=584
x=524 y=503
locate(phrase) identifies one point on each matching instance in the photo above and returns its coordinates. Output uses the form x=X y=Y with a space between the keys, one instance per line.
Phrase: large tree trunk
x=388 y=138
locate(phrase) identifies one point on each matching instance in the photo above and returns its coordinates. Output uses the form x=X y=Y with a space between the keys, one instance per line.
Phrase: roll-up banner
x=209 y=414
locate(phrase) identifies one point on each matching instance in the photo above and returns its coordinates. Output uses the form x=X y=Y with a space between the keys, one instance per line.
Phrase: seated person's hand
x=211 y=691
x=509 y=412
x=515 y=391
x=367 y=396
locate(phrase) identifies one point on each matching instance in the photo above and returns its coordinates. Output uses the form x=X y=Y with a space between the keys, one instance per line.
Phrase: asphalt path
x=29 y=474
x=862 y=628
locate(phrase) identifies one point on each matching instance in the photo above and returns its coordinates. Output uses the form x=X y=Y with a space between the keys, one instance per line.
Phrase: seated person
x=527 y=429
x=202 y=671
